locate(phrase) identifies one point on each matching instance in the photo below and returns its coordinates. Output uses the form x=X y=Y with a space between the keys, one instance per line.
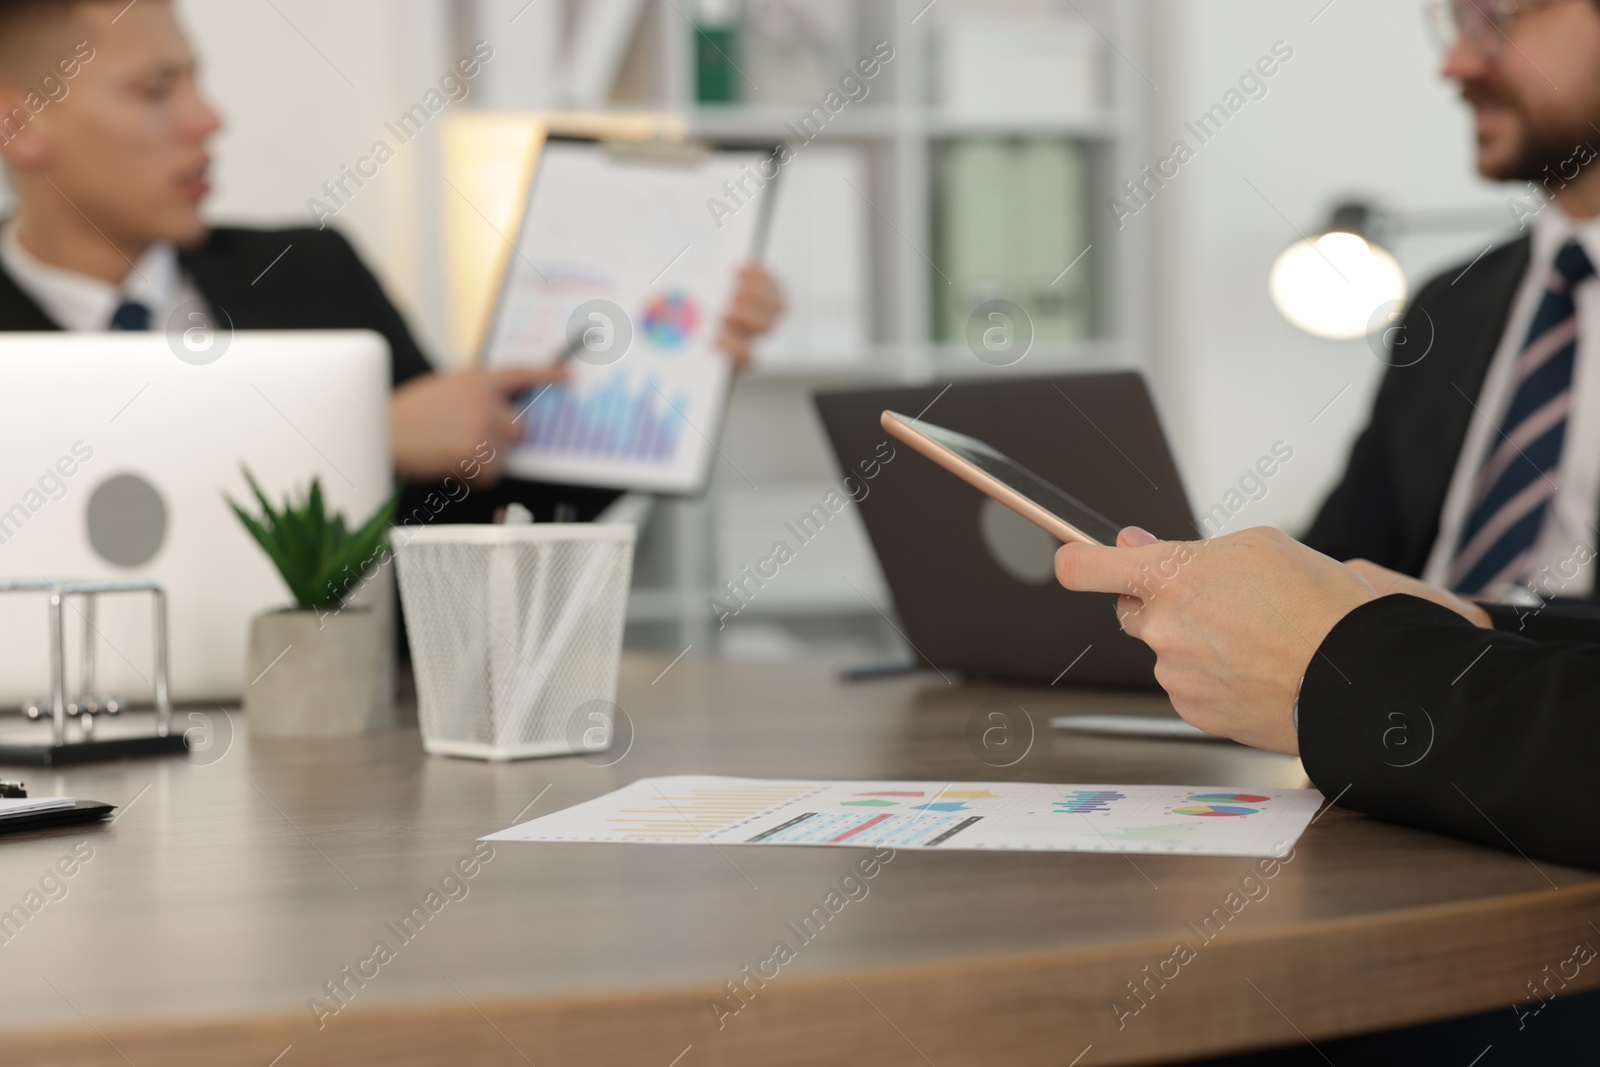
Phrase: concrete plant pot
x=320 y=675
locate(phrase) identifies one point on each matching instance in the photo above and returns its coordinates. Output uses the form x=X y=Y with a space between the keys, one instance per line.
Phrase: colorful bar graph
x=859 y=828
x=689 y=816
x=1080 y=801
x=615 y=421
x=818 y=828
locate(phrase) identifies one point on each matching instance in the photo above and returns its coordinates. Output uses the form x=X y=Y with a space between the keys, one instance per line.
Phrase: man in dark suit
x=1480 y=467
x=103 y=131
x=1266 y=641
x=1402 y=700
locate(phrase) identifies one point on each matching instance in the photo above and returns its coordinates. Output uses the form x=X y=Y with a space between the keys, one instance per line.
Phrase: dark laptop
x=973 y=582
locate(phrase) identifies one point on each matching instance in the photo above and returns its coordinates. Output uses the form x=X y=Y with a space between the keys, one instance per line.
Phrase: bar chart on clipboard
x=619 y=265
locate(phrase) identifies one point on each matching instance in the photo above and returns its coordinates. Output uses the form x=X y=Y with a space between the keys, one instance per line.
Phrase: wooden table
x=229 y=891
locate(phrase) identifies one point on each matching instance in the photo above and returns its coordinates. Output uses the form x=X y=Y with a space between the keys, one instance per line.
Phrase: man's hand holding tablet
x=1233 y=621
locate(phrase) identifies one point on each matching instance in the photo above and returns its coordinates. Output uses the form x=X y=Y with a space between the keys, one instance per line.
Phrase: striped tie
x=1518 y=480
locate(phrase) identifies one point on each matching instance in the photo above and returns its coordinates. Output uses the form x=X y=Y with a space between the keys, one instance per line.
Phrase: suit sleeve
x=1555 y=620
x=376 y=312
x=1410 y=713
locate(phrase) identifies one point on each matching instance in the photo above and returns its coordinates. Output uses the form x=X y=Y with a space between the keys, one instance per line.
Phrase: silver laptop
x=116 y=453
x=973 y=582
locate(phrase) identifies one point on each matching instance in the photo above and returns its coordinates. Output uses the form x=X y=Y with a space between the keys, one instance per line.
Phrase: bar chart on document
x=620 y=262
x=1011 y=816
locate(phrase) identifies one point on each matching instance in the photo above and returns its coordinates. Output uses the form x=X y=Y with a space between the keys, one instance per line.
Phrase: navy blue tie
x=130 y=315
x=1518 y=480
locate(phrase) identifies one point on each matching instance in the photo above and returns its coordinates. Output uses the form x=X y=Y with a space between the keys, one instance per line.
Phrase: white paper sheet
x=1020 y=816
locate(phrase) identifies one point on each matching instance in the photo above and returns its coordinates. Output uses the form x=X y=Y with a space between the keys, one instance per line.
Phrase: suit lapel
x=1487 y=306
x=1494 y=294
x=221 y=288
x=17 y=309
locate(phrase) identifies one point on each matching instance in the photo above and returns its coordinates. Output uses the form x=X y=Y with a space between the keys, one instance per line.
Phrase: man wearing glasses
x=1480 y=468
x=1443 y=703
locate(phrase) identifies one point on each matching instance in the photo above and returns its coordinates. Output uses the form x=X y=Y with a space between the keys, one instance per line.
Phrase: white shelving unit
x=901 y=130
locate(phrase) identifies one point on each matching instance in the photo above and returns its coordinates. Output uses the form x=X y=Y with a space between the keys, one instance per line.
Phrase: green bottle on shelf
x=716 y=52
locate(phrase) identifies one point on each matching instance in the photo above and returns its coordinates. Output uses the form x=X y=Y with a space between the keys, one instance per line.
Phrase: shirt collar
x=81 y=303
x=1553 y=228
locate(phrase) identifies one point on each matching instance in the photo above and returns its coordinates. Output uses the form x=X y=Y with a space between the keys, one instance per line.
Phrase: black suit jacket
x=318 y=284
x=1386 y=506
x=1411 y=713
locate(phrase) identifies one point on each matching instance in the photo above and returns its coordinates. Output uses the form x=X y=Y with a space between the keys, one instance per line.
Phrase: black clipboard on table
x=80 y=812
x=622 y=264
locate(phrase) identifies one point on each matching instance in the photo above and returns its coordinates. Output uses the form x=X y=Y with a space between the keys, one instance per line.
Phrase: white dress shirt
x=1568 y=537
x=80 y=303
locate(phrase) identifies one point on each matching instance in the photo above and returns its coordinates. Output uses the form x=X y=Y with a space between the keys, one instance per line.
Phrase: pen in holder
x=87 y=703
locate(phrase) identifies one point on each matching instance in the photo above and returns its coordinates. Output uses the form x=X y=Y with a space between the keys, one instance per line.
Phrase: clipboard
x=82 y=811
x=624 y=258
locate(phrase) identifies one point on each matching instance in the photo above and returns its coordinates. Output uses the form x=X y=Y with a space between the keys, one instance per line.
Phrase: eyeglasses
x=1484 y=24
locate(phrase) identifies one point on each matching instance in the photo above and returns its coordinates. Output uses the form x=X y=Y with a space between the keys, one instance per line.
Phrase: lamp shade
x=1334 y=285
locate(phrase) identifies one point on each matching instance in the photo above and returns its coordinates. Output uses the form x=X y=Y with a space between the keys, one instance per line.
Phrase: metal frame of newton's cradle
x=84 y=707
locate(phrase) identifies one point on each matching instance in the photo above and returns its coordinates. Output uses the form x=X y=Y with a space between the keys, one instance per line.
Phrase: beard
x=1543 y=142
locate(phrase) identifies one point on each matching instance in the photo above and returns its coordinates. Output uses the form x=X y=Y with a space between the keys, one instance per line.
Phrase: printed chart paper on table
x=636 y=233
x=1022 y=816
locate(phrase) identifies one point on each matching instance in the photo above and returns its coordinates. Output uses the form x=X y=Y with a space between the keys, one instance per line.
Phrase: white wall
x=305 y=87
x=1359 y=108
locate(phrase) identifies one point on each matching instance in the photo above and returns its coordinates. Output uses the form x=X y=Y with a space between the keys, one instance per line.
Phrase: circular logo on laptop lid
x=1020 y=548
x=126 y=520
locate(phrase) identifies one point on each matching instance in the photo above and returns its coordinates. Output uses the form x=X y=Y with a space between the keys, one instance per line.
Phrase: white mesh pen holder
x=516 y=634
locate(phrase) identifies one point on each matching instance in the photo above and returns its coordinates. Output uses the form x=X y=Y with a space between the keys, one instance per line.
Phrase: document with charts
x=1020 y=816
x=627 y=259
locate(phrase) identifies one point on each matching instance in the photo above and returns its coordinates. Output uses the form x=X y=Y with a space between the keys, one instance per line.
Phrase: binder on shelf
x=1053 y=195
x=818 y=253
x=797 y=49
x=976 y=220
x=1012 y=220
x=1004 y=67
x=600 y=40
